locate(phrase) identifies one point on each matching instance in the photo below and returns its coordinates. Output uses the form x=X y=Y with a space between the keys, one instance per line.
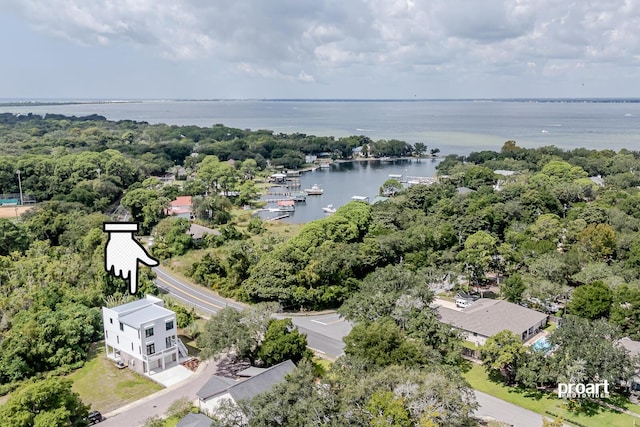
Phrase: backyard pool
x=541 y=345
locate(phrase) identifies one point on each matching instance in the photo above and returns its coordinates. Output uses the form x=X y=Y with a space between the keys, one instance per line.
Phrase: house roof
x=465 y=190
x=504 y=172
x=250 y=387
x=136 y=305
x=181 y=201
x=195 y=420
x=144 y=315
x=215 y=386
x=633 y=347
x=487 y=317
x=250 y=372
x=198 y=231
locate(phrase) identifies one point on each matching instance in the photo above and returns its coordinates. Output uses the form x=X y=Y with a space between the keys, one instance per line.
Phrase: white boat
x=329 y=209
x=315 y=190
x=325 y=165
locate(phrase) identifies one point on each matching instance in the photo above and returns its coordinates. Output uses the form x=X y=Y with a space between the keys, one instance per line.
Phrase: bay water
x=452 y=126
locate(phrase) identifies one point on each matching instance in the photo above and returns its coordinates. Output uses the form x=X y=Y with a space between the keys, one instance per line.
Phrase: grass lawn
x=105 y=387
x=541 y=402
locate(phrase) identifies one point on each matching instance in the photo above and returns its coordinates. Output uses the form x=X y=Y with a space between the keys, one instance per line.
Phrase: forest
x=558 y=232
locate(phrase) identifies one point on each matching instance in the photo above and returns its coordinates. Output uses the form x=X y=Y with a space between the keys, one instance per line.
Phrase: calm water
x=344 y=180
x=452 y=126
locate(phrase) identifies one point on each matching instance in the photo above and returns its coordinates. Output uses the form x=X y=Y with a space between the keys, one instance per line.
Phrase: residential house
x=181 y=207
x=199 y=231
x=195 y=420
x=143 y=335
x=486 y=317
x=633 y=349
x=218 y=388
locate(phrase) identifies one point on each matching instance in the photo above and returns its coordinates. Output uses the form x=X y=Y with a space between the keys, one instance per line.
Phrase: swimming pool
x=541 y=344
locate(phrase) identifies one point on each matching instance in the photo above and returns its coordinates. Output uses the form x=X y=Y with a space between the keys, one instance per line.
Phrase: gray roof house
x=219 y=388
x=486 y=317
x=195 y=420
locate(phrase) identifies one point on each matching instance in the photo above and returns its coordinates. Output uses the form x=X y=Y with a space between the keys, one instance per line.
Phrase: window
x=131 y=346
x=106 y=335
x=148 y=332
x=111 y=320
x=151 y=349
x=169 y=325
x=121 y=326
x=118 y=339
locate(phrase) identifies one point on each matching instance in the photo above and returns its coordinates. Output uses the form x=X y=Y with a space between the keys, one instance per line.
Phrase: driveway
x=135 y=414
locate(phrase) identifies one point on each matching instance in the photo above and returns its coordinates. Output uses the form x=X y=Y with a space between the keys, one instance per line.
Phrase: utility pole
x=20 y=186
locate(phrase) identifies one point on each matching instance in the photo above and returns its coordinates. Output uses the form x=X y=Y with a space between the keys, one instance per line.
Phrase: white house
x=218 y=388
x=143 y=335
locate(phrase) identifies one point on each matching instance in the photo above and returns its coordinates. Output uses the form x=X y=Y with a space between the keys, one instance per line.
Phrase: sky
x=254 y=49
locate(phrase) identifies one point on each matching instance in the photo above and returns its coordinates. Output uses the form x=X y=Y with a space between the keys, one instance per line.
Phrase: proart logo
x=583 y=390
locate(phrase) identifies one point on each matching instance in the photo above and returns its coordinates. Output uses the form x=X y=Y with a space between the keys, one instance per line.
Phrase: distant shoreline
x=15 y=102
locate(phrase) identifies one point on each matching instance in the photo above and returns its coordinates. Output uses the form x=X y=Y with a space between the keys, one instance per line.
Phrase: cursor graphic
x=122 y=253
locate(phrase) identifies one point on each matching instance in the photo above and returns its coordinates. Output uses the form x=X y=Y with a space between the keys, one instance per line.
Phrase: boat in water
x=329 y=209
x=315 y=190
x=325 y=165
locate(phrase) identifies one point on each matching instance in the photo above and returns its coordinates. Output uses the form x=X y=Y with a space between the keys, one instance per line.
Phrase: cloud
x=308 y=41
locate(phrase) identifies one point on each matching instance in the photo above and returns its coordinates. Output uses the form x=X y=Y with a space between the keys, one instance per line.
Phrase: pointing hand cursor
x=122 y=253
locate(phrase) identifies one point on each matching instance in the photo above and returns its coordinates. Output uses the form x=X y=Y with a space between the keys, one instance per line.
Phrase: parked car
x=95 y=417
x=120 y=364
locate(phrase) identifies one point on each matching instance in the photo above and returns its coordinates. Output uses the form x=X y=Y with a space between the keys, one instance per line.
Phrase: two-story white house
x=143 y=335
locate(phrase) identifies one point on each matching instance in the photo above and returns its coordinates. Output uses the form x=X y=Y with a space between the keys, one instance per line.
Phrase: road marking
x=327 y=324
x=191 y=295
x=190 y=287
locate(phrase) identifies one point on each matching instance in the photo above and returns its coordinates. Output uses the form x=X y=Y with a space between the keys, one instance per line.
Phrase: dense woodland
x=546 y=235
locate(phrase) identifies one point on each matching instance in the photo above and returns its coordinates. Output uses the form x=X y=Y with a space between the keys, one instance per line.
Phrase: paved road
x=506 y=412
x=324 y=331
x=324 y=334
x=135 y=414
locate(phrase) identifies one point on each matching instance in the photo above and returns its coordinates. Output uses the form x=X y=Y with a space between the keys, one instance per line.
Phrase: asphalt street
x=324 y=334
x=324 y=331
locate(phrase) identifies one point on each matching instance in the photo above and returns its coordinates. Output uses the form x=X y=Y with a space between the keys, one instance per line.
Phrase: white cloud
x=277 y=39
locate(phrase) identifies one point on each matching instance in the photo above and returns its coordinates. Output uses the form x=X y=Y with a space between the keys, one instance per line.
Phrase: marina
x=340 y=183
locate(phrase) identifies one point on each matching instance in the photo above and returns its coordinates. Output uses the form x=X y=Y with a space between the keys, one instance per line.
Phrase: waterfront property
x=142 y=335
x=486 y=317
x=218 y=388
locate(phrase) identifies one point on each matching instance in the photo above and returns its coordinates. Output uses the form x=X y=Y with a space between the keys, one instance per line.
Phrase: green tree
x=598 y=241
x=512 y=288
x=46 y=403
x=419 y=148
x=225 y=332
x=171 y=238
x=147 y=207
x=13 y=237
x=591 y=301
x=283 y=341
x=391 y=187
x=502 y=354
x=382 y=343
x=588 y=350
x=479 y=251
x=387 y=409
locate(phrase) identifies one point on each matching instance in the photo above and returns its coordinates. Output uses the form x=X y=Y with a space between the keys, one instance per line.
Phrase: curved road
x=324 y=331
x=324 y=335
